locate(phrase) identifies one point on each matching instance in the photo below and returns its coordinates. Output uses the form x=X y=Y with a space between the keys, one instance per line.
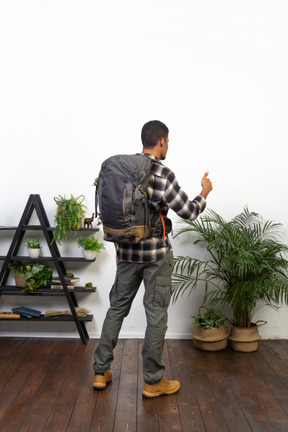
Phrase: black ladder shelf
x=34 y=203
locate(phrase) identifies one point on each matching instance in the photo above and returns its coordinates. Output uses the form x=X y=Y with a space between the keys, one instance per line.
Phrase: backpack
x=121 y=193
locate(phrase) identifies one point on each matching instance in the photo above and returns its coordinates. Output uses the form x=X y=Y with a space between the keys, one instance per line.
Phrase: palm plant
x=246 y=263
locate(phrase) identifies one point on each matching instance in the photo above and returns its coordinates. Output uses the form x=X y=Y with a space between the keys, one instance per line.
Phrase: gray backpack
x=121 y=194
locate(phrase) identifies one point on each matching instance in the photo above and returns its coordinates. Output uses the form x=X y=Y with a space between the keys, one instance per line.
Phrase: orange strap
x=163 y=225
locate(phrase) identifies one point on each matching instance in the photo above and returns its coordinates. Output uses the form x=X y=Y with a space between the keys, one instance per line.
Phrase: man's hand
x=206 y=185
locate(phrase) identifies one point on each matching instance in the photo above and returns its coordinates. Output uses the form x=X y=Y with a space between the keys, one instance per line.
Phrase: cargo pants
x=157 y=282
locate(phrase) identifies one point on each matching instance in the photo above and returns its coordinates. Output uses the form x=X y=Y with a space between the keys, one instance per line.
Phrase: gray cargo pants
x=157 y=283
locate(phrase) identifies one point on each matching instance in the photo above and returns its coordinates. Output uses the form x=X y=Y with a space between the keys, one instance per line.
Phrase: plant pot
x=20 y=280
x=90 y=255
x=210 y=339
x=245 y=339
x=34 y=253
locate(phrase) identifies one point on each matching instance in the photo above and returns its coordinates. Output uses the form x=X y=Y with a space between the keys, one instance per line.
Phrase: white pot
x=89 y=255
x=34 y=253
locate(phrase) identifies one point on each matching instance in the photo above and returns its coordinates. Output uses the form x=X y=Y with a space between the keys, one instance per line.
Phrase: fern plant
x=68 y=217
x=245 y=263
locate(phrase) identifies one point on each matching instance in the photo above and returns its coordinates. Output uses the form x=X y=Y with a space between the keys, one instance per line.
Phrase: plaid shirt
x=163 y=192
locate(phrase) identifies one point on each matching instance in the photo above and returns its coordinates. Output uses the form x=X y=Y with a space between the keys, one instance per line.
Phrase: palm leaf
x=246 y=263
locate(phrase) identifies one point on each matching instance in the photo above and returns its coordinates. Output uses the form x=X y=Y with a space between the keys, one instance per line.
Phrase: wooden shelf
x=48 y=258
x=40 y=228
x=14 y=290
x=42 y=318
x=34 y=203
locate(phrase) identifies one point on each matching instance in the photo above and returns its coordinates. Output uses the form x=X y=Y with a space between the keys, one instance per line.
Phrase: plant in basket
x=69 y=214
x=32 y=275
x=19 y=269
x=210 y=333
x=246 y=263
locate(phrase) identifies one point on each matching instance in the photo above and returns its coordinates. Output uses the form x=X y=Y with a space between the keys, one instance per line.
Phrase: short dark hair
x=152 y=132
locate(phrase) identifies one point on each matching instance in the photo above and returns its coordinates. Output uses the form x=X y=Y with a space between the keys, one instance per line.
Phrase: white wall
x=79 y=79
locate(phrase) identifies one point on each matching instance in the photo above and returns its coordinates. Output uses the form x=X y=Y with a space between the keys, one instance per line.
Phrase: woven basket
x=210 y=339
x=20 y=280
x=245 y=339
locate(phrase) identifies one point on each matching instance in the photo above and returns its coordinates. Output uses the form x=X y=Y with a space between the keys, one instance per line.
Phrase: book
x=10 y=314
x=26 y=312
x=58 y=286
x=67 y=280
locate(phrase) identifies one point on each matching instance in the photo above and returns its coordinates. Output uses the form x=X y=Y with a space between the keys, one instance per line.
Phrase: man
x=150 y=261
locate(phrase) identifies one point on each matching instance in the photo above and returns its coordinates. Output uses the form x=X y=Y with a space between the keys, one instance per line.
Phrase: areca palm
x=246 y=262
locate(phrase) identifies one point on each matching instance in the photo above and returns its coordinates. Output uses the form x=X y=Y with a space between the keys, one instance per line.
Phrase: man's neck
x=152 y=151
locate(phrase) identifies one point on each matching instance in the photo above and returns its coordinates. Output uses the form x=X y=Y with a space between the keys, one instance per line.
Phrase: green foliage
x=90 y=243
x=245 y=263
x=88 y=285
x=17 y=267
x=36 y=275
x=70 y=275
x=211 y=318
x=33 y=244
x=68 y=217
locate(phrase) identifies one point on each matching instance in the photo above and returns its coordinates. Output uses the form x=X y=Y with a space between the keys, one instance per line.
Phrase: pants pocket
x=163 y=292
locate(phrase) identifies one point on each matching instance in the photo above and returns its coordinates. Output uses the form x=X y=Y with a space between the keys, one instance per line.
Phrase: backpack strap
x=163 y=226
x=96 y=184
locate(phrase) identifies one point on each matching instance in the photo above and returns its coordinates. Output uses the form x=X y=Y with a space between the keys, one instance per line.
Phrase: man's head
x=154 y=136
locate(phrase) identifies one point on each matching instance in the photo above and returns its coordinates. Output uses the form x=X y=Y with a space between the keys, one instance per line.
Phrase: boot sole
x=101 y=386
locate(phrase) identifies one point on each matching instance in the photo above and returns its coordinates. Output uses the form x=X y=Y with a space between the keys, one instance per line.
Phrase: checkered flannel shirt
x=163 y=192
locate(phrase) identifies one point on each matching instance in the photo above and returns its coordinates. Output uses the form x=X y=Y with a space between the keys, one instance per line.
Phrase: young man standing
x=149 y=261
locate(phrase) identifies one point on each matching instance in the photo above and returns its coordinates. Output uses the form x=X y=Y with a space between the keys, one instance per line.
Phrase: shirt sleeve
x=178 y=201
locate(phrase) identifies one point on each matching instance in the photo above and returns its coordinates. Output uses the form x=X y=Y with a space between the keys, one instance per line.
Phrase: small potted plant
x=33 y=248
x=91 y=246
x=69 y=214
x=19 y=269
x=210 y=333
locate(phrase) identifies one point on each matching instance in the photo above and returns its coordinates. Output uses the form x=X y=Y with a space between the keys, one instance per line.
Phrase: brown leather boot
x=100 y=381
x=163 y=387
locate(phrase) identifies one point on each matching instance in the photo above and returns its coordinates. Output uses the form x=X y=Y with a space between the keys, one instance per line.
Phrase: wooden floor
x=45 y=385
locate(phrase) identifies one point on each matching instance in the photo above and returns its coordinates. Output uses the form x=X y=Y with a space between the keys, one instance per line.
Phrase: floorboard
x=46 y=386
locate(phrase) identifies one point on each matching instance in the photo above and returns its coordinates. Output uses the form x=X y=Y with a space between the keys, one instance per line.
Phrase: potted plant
x=33 y=248
x=18 y=268
x=91 y=246
x=69 y=214
x=33 y=275
x=246 y=263
x=210 y=333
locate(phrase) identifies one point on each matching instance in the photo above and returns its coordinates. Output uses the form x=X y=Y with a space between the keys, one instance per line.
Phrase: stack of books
x=70 y=282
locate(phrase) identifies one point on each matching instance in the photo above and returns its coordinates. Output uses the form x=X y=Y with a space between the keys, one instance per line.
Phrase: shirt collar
x=152 y=157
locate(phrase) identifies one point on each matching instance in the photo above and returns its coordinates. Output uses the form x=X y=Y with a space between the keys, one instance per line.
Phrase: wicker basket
x=245 y=339
x=210 y=339
x=20 y=280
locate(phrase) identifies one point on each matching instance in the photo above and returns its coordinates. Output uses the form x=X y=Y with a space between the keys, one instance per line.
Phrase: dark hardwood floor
x=46 y=385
